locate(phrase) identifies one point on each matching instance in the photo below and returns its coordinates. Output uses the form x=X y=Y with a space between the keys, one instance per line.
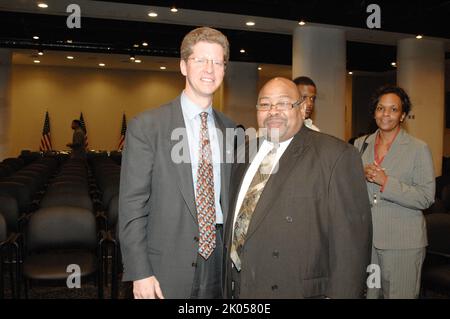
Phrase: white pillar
x=421 y=72
x=5 y=100
x=320 y=53
x=240 y=93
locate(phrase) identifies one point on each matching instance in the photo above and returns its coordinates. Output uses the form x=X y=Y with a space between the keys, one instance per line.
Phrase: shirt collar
x=191 y=110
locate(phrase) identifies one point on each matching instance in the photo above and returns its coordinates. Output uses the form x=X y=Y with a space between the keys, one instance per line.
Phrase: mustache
x=274 y=118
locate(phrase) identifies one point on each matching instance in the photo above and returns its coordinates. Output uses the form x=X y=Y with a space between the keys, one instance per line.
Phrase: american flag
x=46 y=143
x=122 y=132
x=83 y=127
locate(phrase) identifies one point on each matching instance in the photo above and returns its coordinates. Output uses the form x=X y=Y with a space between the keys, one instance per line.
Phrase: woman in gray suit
x=400 y=182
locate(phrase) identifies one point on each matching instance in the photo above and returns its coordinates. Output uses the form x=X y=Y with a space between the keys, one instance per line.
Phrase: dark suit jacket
x=310 y=234
x=158 y=227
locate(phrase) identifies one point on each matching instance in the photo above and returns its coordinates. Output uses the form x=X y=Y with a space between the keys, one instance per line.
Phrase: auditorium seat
x=58 y=237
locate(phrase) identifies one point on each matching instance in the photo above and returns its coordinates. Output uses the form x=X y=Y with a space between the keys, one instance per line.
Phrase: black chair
x=436 y=269
x=73 y=199
x=58 y=237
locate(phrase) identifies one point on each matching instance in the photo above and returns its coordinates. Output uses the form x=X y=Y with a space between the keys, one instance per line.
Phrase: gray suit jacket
x=158 y=227
x=398 y=222
x=310 y=234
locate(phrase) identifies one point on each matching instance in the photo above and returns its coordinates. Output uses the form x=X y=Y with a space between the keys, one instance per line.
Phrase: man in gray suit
x=173 y=203
x=299 y=224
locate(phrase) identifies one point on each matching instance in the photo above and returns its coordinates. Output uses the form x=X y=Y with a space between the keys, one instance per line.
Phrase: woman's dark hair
x=387 y=89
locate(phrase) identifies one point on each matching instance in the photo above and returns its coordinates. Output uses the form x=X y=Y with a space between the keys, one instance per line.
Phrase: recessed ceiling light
x=101 y=64
x=37 y=61
x=162 y=67
x=36 y=37
x=302 y=23
x=394 y=64
x=136 y=45
x=174 y=10
x=419 y=36
x=259 y=68
x=350 y=72
x=250 y=23
x=144 y=44
x=137 y=61
x=242 y=51
x=132 y=58
x=69 y=57
x=40 y=52
x=42 y=5
x=69 y=41
x=152 y=14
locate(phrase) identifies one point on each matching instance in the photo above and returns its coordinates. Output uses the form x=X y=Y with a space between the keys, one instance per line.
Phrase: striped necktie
x=249 y=204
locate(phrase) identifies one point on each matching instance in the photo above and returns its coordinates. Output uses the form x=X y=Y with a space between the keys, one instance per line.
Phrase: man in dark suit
x=78 y=146
x=299 y=223
x=174 y=193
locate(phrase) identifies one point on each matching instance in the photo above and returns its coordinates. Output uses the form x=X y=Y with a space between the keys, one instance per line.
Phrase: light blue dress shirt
x=192 y=120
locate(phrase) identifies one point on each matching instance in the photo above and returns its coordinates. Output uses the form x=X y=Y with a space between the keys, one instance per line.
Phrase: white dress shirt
x=265 y=148
x=192 y=120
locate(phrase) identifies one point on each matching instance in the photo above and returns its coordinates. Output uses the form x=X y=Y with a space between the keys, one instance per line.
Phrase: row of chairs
x=64 y=231
x=20 y=193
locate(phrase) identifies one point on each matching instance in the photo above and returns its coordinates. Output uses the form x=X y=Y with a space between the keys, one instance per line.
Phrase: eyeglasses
x=204 y=61
x=280 y=106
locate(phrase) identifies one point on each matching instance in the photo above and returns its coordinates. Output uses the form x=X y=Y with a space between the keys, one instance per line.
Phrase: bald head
x=281 y=85
x=281 y=123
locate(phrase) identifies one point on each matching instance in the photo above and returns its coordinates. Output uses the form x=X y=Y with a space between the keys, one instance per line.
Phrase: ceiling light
x=37 y=61
x=132 y=58
x=42 y=5
x=394 y=64
x=259 y=68
x=69 y=41
x=350 y=73
x=36 y=37
x=250 y=23
x=419 y=36
x=40 y=52
x=69 y=57
x=174 y=10
x=136 y=45
x=242 y=51
x=101 y=64
x=137 y=61
x=152 y=14
x=162 y=67
x=302 y=23
x=144 y=44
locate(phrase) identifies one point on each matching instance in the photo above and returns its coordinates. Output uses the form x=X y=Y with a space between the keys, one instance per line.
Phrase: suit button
x=196 y=239
x=289 y=219
x=194 y=264
x=274 y=287
x=276 y=254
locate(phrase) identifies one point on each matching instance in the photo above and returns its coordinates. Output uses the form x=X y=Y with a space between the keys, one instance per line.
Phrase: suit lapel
x=394 y=153
x=184 y=170
x=291 y=155
x=225 y=168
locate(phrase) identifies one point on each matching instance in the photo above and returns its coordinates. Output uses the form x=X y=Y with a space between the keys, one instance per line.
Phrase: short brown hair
x=207 y=35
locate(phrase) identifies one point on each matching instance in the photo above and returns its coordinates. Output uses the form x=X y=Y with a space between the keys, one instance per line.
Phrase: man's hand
x=147 y=288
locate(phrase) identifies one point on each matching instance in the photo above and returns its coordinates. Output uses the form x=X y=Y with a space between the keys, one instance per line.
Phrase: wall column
x=421 y=72
x=320 y=53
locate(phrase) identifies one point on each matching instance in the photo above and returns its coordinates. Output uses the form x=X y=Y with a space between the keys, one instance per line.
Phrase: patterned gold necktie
x=249 y=204
x=205 y=201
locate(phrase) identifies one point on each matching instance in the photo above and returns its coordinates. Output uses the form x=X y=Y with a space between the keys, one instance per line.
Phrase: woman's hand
x=375 y=174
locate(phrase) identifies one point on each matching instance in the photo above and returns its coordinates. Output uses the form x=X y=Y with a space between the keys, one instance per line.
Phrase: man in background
x=78 y=138
x=308 y=92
